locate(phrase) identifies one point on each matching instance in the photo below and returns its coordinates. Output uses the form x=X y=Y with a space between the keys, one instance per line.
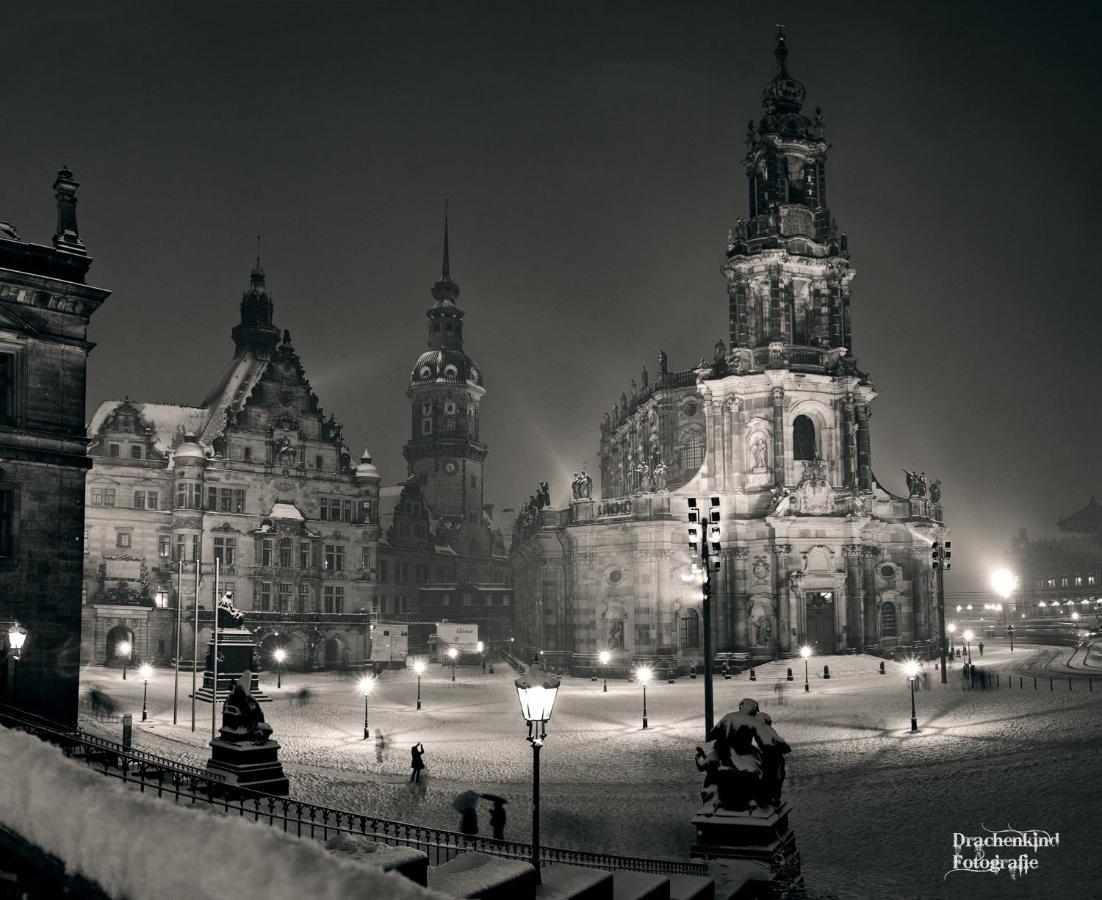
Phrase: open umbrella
x=466 y=800
x=495 y=799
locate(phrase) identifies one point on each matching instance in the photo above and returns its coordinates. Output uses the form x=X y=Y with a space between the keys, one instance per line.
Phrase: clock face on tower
x=449 y=467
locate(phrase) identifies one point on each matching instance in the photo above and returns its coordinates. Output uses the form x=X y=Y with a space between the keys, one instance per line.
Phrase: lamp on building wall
x=536 y=691
x=146 y=672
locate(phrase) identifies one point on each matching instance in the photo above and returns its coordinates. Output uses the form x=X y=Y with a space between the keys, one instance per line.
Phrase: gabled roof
x=169 y=422
x=230 y=393
x=1088 y=519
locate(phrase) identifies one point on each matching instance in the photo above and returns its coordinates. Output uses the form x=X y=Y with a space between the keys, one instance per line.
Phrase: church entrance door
x=820 y=621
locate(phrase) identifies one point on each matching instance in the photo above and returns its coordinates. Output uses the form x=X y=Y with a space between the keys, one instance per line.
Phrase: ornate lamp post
x=952 y=629
x=124 y=649
x=17 y=636
x=419 y=668
x=604 y=656
x=708 y=546
x=644 y=673
x=453 y=654
x=146 y=671
x=968 y=635
x=280 y=656
x=805 y=652
x=910 y=669
x=536 y=691
x=366 y=685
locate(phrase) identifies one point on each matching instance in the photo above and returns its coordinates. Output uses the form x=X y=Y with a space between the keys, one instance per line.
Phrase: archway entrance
x=820 y=621
x=333 y=653
x=118 y=635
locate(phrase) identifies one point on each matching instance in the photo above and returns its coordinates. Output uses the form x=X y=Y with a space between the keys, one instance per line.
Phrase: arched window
x=692 y=452
x=803 y=439
x=888 y=626
x=690 y=629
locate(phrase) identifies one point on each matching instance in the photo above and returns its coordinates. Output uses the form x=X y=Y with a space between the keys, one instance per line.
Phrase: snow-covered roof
x=169 y=422
x=282 y=510
x=230 y=392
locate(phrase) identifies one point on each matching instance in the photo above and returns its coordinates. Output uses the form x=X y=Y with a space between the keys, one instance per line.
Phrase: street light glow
x=968 y=635
x=604 y=656
x=279 y=654
x=644 y=674
x=366 y=685
x=910 y=668
x=805 y=651
x=452 y=653
x=419 y=667
x=951 y=627
x=1004 y=582
x=123 y=648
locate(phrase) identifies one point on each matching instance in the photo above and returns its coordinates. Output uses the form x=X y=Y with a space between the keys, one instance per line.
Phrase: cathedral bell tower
x=256 y=332
x=444 y=453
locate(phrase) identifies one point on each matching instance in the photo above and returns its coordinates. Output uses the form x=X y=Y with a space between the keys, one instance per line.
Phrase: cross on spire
x=447 y=265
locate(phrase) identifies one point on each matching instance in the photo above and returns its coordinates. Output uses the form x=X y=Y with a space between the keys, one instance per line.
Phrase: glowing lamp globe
x=968 y=635
x=452 y=653
x=366 y=685
x=536 y=691
x=951 y=627
x=279 y=654
x=146 y=671
x=1003 y=582
x=17 y=636
x=644 y=674
x=124 y=648
x=805 y=651
x=1075 y=615
x=910 y=668
x=604 y=656
x=419 y=667
x=480 y=646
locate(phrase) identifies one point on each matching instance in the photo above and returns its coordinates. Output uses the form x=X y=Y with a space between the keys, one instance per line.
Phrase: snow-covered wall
x=144 y=848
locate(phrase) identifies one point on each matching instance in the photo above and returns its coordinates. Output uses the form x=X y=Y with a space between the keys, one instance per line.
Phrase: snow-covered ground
x=874 y=807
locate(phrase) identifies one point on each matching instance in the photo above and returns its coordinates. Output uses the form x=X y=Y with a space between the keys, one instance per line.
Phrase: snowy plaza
x=862 y=788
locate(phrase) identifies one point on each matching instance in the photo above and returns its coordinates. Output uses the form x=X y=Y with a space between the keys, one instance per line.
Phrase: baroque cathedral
x=815 y=550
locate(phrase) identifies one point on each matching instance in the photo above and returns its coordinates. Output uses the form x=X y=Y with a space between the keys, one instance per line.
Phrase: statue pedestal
x=236 y=648
x=249 y=764
x=761 y=836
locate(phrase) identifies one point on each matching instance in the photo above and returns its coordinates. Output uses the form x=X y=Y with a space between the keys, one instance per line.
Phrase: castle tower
x=444 y=453
x=256 y=332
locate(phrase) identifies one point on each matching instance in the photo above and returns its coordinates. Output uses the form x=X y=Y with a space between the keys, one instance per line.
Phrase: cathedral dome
x=445 y=365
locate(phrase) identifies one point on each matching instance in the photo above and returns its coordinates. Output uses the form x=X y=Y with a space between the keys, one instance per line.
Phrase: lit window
x=160 y=599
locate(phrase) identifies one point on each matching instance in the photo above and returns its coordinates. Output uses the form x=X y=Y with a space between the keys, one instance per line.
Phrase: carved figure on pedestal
x=242 y=718
x=745 y=767
x=763 y=631
x=663 y=361
x=912 y=482
x=586 y=485
x=920 y=488
x=758 y=449
x=646 y=484
x=660 y=472
x=229 y=616
x=616 y=634
x=935 y=491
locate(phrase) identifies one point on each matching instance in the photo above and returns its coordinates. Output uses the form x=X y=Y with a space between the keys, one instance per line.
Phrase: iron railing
x=193 y=786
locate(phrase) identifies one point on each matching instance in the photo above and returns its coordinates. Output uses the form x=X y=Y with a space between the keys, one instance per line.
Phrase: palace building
x=45 y=306
x=257 y=477
x=776 y=426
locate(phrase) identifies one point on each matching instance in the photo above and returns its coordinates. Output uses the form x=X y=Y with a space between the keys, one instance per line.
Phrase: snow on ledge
x=143 y=848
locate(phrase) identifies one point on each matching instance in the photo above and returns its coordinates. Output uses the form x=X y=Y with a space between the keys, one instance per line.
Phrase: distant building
x=441 y=556
x=45 y=305
x=255 y=476
x=776 y=425
x=1061 y=575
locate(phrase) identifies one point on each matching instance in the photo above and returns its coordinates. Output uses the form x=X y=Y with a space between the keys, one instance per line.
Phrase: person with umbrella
x=466 y=805
x=417 y=751
x=497 y=815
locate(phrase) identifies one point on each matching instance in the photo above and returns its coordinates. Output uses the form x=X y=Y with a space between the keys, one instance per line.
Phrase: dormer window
x=450 y=371
x=426 y=373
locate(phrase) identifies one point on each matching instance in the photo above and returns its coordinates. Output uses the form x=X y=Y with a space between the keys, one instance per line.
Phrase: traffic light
x=947 y=554
x=940 y=555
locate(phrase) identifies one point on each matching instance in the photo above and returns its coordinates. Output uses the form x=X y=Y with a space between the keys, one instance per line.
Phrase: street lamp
x=279 y=655
x=453 y=654
x=124 y=649
x=536 y=691
x=644 y=673
x=805 y=652
x=366 y=685
x=604 y=656
x=910 y=669
x=419 y=668
x=952 y=629
x=704 y=538
x=17 y=636
x=968 y=635
x=146 y=672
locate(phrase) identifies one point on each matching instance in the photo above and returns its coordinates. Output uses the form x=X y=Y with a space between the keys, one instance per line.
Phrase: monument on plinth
x=236 y=654
x=744 y=816
x=244 y=753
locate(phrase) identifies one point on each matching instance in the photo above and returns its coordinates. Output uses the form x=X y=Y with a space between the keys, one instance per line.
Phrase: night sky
x=592 y=156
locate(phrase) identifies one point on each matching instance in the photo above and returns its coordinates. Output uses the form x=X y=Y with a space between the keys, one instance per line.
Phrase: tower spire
x=781 y=53
x=258 y=252
x=446 y=270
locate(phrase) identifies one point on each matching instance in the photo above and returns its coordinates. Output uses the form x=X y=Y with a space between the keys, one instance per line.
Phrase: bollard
x=692 y=671
x=1050 y=687
x=753 y=675
x=826 y=672
x=998 y=683
x=1034 y=682
x=1090 y=683
x=1069 y=685
x=1020 y=688
x=669 y=676
x=881 y=667
x=127 y=731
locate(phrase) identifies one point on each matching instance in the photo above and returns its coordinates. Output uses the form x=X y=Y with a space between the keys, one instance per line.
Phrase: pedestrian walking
x=468 y=822
x=484 y=665
x=380 y=747
x=981 y=648
x=497 y=815
x=925 y=681
x=417 y=751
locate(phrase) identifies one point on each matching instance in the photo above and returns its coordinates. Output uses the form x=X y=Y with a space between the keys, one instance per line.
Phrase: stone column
x=868 y=567
x=777 y=396
x=864 y=448
x=849 y=443
x=782 y=595
x=855 y=604
x=740 y=599
x=920 y=599
x=711 y=443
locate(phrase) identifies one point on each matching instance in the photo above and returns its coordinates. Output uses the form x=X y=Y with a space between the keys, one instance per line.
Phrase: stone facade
x=776 y=426
x=256 y=477
x=1061 y=575
x=45 y=305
